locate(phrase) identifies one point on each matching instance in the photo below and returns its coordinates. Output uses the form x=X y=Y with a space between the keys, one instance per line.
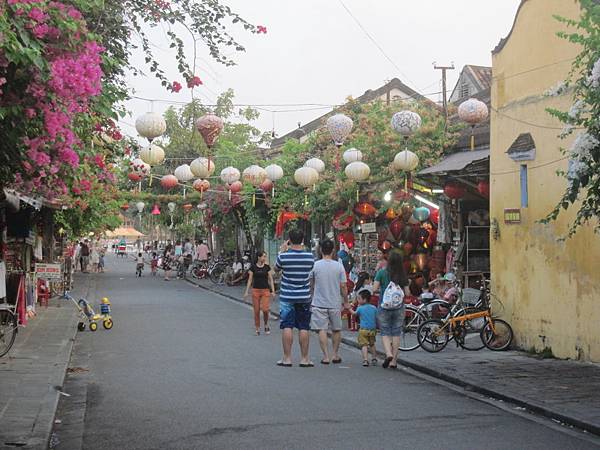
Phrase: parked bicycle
x=9 y=326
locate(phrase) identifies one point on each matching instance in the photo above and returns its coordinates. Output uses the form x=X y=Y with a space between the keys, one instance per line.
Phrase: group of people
x=87 y=254
x=179 y=256
x=314 y=294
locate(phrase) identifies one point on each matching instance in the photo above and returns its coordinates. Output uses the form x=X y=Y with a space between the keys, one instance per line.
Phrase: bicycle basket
x=470 y=296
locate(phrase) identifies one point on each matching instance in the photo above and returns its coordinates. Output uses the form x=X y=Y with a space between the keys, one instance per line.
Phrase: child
x=139 y=265
x=101 y=261
x=367 y=314
x=154 y=264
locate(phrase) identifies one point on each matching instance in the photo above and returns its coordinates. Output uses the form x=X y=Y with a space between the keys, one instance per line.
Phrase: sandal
x=308 y=364
x=387 y=362
x=374 y=361
x=336 y=360
x=267 y=330
x=365 y=363
x=324 y=362
x=282 y=364
x=257 y=332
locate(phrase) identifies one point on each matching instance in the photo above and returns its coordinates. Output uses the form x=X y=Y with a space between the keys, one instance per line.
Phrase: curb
x=532 y=407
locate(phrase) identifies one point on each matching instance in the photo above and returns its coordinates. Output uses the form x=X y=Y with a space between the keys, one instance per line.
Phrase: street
x=182 y=369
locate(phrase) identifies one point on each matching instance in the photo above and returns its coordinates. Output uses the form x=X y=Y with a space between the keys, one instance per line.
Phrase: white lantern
x=258 y=176
x=339 y=126
x=405 y=160
x=274 y=172
x=152 y=155
x=352 y=155
x=202 y=167
x=150 y=125
x=357 y=171
x=306 y=176
x=183 y=173
x=316 y=164
x=139 y=167
x=406 y=123
x=473 y=111
x=230 y=175
x=171 y=206
x=140 y=206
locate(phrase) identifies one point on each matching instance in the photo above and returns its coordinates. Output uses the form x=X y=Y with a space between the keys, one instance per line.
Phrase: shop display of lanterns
x=406 y=123
x=187 y=207
x=125 y=206
x=365 y=209
x=473 y=111
x=316 y=164
x=151 y=125
x=202 y=167
x=396 y=228
x=342 y=220
x=209 y=127
x=351 y=155
x=169 y=181
x=454 y=191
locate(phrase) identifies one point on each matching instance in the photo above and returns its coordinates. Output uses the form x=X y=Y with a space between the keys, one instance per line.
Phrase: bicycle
x=9 y=326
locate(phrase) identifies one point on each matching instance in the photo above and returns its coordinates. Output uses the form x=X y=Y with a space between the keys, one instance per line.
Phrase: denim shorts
x=390 y=321
x=294 y=315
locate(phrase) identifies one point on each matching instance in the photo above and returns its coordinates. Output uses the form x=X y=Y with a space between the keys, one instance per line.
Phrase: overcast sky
x=315 y=53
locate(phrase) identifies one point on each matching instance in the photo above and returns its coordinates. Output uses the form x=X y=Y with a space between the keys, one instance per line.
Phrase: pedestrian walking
x=260 y=279
x=85 y=256
x=76 y=256
x=202 y=253
x=94 y=258
x=167 y=261
x=330 y=294
x=295 y=263
x=154 y=264
x=367 y=315
x=101 y=261
x=391 y=314
x=139 y=264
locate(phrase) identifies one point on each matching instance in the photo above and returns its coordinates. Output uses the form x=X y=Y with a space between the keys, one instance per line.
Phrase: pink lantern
x=210 y=127
x=266 y=185
x=169 y=181
x=135 y=177
x=235 y=187
x=155 y=210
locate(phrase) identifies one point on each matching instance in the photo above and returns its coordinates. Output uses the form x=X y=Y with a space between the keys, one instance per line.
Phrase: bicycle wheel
x=8 y=331
x=499 y=337
x=413 y=318
x=432 y=335
x=217 y=275
x=470 y=338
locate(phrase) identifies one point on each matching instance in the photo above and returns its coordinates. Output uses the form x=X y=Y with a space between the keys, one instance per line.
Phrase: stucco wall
x=551 y=290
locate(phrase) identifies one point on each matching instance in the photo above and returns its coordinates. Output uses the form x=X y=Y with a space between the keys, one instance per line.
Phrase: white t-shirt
x=237 y=266
x=328 y=275
x=140 y=260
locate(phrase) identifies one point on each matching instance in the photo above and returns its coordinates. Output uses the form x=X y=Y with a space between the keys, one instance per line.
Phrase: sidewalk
x=567 y=391
x=33 y=372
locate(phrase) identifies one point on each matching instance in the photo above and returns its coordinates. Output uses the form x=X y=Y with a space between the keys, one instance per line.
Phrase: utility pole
x=444 y=96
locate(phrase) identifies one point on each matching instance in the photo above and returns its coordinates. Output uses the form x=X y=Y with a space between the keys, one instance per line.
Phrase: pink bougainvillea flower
x=195 y=81
x=116 y=135
x=85 y=185
x=176 y=86
x=260 y=29
x=40 y=30
x=30 y=113
x=37 y=14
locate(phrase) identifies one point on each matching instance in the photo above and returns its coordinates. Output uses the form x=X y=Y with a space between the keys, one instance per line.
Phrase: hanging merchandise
x=169 y=181
x=316 y=164
x=357 y=171
x=421 y=214
x=390 y=214
x=202 y=167
x=365 y=209
x=473 y=111
x=454 y=191
x=230 y=175
x=151 y=125
x=346 y=237
x=135 y=177
x=306 y=177
x=339 y=126
x=2 y=279
x=444 y=232
x=209 y=127
x=266 y=185
x=184 y=174
x=351 y=155
x=125 y=206
x=187 y=207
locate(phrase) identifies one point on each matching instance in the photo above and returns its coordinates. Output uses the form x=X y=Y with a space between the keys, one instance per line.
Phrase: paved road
x=183 y=369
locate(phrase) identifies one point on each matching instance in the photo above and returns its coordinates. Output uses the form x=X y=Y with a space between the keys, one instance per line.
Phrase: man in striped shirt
x=294 y=297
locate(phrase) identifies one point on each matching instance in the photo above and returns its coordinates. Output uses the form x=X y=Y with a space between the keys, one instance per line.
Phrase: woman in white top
x=94 y=258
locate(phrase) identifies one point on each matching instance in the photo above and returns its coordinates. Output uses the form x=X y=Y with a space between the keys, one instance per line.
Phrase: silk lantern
x=357 y=171
x=473 y=111
x=396 y=228
x=266 y=185
x=152 y=155
x=230 y=175
x=421 y=214
x=390 y=214
x=135 y=177
x=346 y=237
x=140 y=207
x=155 y=210
x=306 y=177
x=339 y=126
x=406 y=123
x=140 y=167
x=420 y=260
x=202 y=167
x=168 y=181
x=171 y=206
x=406 y=161
x=365 y=209
x=316 y=164
x=484 y=188
x=150 y=125
x=187 y=207
x=124 y=206
x=183 y=174
x=209 y=127
x=342 y=220
x=201 y=186
x=274 y=173
x=454 y=191
x=351 y=155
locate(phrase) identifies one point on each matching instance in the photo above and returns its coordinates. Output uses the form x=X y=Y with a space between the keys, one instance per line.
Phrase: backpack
x=393 y=297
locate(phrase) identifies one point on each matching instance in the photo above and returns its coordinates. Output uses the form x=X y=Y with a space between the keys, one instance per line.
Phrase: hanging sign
x=368 y=227
x=512 y=216
x=48 y=271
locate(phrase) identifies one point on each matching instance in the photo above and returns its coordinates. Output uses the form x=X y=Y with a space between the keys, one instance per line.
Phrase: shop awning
x=456 y=162
x=126 y=232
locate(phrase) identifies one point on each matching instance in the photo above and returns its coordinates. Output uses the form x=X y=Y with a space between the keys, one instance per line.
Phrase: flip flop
x=392 y=367
x=282 y=364
x=324 y=362
x=387 y=362
x=308 y=364
x=365 y=363
x=336 y=361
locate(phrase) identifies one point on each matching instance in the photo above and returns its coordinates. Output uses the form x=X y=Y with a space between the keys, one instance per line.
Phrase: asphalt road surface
x=182 y=369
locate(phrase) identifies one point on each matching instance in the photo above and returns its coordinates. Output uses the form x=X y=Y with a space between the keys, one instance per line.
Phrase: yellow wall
x=551 y=290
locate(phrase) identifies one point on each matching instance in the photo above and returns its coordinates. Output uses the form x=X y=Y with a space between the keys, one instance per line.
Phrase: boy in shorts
x=367 y=315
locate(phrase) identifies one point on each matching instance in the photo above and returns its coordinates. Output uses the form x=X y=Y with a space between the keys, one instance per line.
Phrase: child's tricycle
x=87 y=313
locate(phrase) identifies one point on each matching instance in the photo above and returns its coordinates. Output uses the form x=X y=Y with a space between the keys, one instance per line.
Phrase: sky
x=315 y=54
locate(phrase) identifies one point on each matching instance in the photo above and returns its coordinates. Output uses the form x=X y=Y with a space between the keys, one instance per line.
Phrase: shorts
x=366 y=337
x=391 y=321
x=294 y=315
x=323 y=318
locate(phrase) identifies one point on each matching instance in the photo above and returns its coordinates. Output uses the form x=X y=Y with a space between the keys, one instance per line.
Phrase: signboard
x=369 y=227
x=48 y=271
x=512 y=216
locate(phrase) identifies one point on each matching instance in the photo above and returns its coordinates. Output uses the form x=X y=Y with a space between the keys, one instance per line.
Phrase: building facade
x=550 y=288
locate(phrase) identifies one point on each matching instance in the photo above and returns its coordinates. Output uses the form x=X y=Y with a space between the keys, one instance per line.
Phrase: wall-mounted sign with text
x=512 y=216
x=48 y=271
x=368 y=227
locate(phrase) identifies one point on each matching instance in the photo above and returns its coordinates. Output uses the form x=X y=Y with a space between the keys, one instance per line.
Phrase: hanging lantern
x=201 y=185
x=316 y=164
x=254 y=175
x=365 y=209
x=274 y=173
x=473 y=111
x=210 y=127
x=390 y=214
x=435 y=216
x=235 y=187
x=140 y=207
x=140 y=167
x=346 y=237
x=454 y=191
x=187 y=207
x=357 y=171
x=152 y=155
x=421 y=214
x=202 y=167
x=342 y=220
x=155 y=210
x=171 y=206
x=351 y=155
x=339 y=126
x=406 y=123
x=135 y=177
x=183 y=173
x=202 y=206
x=396 y=228
x=150 y=125
x=169 y=181
x=420 y=260
x=306 y=177
x=484 y=188
x=406 y=161
x=266 y=185
x=124 y=206
x=230 y=175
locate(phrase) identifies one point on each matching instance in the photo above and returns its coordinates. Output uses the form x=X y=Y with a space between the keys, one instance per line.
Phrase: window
x=464 y=90
x=524 y=188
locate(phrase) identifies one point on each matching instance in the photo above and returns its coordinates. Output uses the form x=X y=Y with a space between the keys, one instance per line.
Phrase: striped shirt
x=296 y=266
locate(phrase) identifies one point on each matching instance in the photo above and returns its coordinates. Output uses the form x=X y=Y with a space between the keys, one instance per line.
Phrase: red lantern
x=135 y=177
x=454 y=190
x=125 y=207
x=342 y=220
x=187 y=207
x=155 y=210
x=168 y=181
x=365 y=209
x=390 y=214
x=266 y=185
x=201 y=185
x=396 y=228
x=408 y=247
x=484 y=188
x=236 y=186
x=386 y=245
x=347 y=237
x=434 y=216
